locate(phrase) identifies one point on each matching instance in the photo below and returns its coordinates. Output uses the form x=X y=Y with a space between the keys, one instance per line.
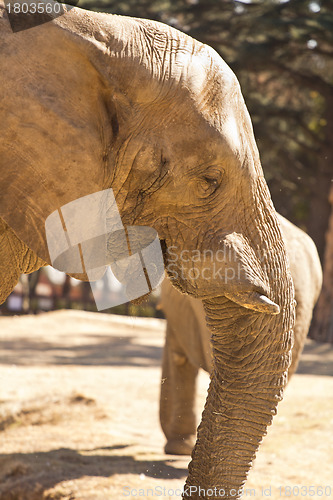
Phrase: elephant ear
x=58 y=118
x=57 y=123
x=65 y=87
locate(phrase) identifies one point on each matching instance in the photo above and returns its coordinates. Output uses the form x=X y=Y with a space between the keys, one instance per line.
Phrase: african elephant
x=92 y=102
x=187 y=344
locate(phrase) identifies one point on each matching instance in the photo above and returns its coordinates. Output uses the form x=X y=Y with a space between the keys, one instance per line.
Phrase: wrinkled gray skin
x=187 y=344
x=92 y=101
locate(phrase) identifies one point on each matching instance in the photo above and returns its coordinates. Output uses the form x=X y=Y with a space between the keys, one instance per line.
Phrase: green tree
x=323 y=320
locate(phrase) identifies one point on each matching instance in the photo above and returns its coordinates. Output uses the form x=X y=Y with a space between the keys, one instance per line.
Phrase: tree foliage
x=323 y=321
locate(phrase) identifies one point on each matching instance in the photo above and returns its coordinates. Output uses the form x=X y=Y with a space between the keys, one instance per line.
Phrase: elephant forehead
x=204 y=73
x=214 y=91
x=192 y=71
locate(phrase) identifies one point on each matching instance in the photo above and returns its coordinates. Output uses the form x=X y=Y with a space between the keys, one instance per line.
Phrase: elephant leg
x=302 y=325
x=177 y=398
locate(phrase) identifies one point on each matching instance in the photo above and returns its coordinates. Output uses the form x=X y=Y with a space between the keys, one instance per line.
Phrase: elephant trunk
x=252 y=353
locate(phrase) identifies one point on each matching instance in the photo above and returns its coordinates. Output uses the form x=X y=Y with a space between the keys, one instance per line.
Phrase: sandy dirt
x=79 y=415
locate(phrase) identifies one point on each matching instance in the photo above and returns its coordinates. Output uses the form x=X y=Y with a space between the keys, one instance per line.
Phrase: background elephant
x=92 y=102
x=187 y=344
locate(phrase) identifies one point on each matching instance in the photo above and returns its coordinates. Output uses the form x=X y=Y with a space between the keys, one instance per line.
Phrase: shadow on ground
x=34 y=473
x=106 y=350
x=316 y=359
x=102 y=350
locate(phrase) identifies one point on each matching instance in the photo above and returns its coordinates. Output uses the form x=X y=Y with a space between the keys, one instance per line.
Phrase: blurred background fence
x=49 y=289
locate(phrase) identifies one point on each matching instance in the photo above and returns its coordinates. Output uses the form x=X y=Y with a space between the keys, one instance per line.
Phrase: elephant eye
x=209 y=183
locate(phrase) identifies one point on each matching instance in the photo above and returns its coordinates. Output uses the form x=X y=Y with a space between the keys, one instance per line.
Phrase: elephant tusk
x=270 y=306
x=255 y=301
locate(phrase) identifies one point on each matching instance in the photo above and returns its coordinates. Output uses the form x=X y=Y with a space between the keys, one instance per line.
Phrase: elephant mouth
x=250 y=296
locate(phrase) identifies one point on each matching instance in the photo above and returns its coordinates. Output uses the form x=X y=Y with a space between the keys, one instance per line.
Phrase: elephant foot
x=180 y=446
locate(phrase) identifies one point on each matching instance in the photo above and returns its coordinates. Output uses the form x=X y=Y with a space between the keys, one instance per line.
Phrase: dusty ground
x=79 y=415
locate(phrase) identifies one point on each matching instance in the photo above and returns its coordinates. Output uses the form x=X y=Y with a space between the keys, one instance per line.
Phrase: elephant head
x=93 y=101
